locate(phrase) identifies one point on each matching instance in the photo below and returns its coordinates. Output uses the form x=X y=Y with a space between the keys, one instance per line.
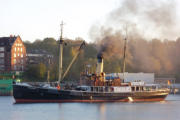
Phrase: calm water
x=167 y=110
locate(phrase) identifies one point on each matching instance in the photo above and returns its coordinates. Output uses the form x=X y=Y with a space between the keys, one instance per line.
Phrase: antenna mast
x=61 y=43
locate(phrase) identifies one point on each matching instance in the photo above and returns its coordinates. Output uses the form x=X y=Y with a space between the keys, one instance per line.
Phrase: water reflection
x=165 y=110
x=102 y=111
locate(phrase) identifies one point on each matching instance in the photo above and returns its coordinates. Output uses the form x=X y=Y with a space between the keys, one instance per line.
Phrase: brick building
x=12 y=54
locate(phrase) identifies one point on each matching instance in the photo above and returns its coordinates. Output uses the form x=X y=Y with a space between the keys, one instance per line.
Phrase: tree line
x=156 y=56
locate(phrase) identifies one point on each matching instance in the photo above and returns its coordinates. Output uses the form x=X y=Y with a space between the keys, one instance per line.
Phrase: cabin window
x=153 y=87
x=137 y=88
x=106 y=89
x=96 y=89
x=133 y=88
x=102 y=89
x=91 y=88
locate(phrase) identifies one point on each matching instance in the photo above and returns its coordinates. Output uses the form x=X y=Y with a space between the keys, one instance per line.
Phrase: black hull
x=26 y=94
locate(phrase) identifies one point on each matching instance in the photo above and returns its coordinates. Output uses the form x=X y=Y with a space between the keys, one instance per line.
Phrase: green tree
x=41 y=68
x=35 y=73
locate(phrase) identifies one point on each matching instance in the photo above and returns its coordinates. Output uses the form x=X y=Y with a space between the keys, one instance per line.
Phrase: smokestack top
x=100 y=57
x=99 y=68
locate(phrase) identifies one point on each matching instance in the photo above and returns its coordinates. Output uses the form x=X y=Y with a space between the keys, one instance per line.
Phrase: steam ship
x=93 y=87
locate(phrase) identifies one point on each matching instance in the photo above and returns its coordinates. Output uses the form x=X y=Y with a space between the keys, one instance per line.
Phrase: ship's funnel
x=99 y=68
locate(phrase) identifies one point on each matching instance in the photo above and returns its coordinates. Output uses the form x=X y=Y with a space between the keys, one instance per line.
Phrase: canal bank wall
x=6 y=88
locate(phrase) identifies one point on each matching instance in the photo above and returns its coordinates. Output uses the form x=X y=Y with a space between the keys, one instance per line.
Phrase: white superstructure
x=148 y=78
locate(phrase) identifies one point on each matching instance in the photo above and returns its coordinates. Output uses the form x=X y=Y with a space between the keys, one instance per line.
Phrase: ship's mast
x=124 y=58
x=61 y=43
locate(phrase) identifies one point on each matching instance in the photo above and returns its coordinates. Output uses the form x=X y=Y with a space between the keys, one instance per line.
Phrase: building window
x=1 y=48
x=1 y=67
x=1 y=61
x=21 y=49
x=18 y=49
x=22 y=55
x=1 y=54
x=15 y=49
x=14 y=54
x=14 y=67
x=14 y=61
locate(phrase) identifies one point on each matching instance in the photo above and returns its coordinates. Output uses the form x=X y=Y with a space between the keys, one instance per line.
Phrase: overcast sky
x=38 y=19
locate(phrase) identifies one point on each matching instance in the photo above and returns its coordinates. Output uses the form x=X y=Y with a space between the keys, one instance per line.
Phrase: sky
x=38 y=19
